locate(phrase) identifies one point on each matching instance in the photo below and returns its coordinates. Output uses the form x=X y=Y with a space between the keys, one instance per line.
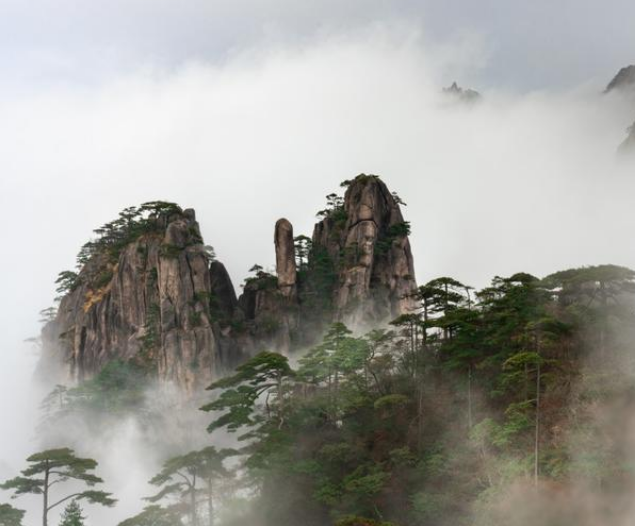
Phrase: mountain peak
x=624 y=80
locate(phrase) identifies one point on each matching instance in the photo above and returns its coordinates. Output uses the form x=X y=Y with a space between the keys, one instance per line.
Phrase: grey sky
x=529 y=44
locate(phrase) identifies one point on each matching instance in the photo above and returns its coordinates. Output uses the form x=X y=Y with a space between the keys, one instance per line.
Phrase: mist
x=525 y=180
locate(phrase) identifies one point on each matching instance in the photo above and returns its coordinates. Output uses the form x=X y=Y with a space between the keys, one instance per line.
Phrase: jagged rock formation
x=150 y=304
x=463 y=95
x=285 y=258
x=624 y=83
x=624 y=80
x=368 y=242
x=150 y=291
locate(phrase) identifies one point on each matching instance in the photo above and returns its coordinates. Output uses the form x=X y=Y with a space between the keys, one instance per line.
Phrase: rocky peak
x=462 y=94
x=367 y=238
x=150 y=291
x=141 y=294
x=285 y=258
x=623 y=81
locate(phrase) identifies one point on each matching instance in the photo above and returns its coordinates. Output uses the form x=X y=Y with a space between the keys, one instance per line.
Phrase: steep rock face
x=624 y=80
x=285 y=258
x=624 y=83
x=150 y=305
x=269 y=314
x=367 y=240
x=150 y=291
x=223 y=300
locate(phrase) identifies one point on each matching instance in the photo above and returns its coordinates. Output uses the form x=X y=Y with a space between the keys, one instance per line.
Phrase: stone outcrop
x=285 y=258
x=623 y=81
x=465 y=95
x=367 y=241
x=154 y=294
x=224 y=301
x=151 y=305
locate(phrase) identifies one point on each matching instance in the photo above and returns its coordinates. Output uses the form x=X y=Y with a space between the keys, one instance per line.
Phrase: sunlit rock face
x=285 y=258
x=151 y=306
x=371 y=252
x=165 y=303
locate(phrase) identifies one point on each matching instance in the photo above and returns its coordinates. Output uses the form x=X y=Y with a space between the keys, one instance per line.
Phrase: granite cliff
x=150 y=291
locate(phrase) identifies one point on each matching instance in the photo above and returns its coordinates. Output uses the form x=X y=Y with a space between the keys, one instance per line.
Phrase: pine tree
x=55 y=466
x=73 y=515
x=10 y=516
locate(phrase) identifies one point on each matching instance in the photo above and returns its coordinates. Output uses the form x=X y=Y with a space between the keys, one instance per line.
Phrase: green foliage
x=394 y=232
x=431 y=507
x=10 y=516
x=72 y=515
x=352 y=520
x=318 y=282
x=156 y=516
x=427 y=422
x=261 y=280
x=188 y=482
x=103 y=252
x=47 y=315
x=303 y=246
x=263 y=375
x=169 y=251
x=152 y=337
x=55 y=466
x=67 y=281
x=210 y=253
x=118 y=389
x=390 y=402
x=334 y=209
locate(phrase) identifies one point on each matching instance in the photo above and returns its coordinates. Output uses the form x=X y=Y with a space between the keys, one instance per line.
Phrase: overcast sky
x=253 y=110
x=529 y=44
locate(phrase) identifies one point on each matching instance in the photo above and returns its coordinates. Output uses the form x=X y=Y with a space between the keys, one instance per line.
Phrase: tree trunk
x=420 y=418
x=193 y=502
x=469 y=397
x=425 y=323
x=537 y=437
x=45 y=496
x=210 y=503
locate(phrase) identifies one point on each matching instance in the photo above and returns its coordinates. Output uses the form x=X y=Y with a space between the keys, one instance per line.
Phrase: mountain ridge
x=149 y=290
